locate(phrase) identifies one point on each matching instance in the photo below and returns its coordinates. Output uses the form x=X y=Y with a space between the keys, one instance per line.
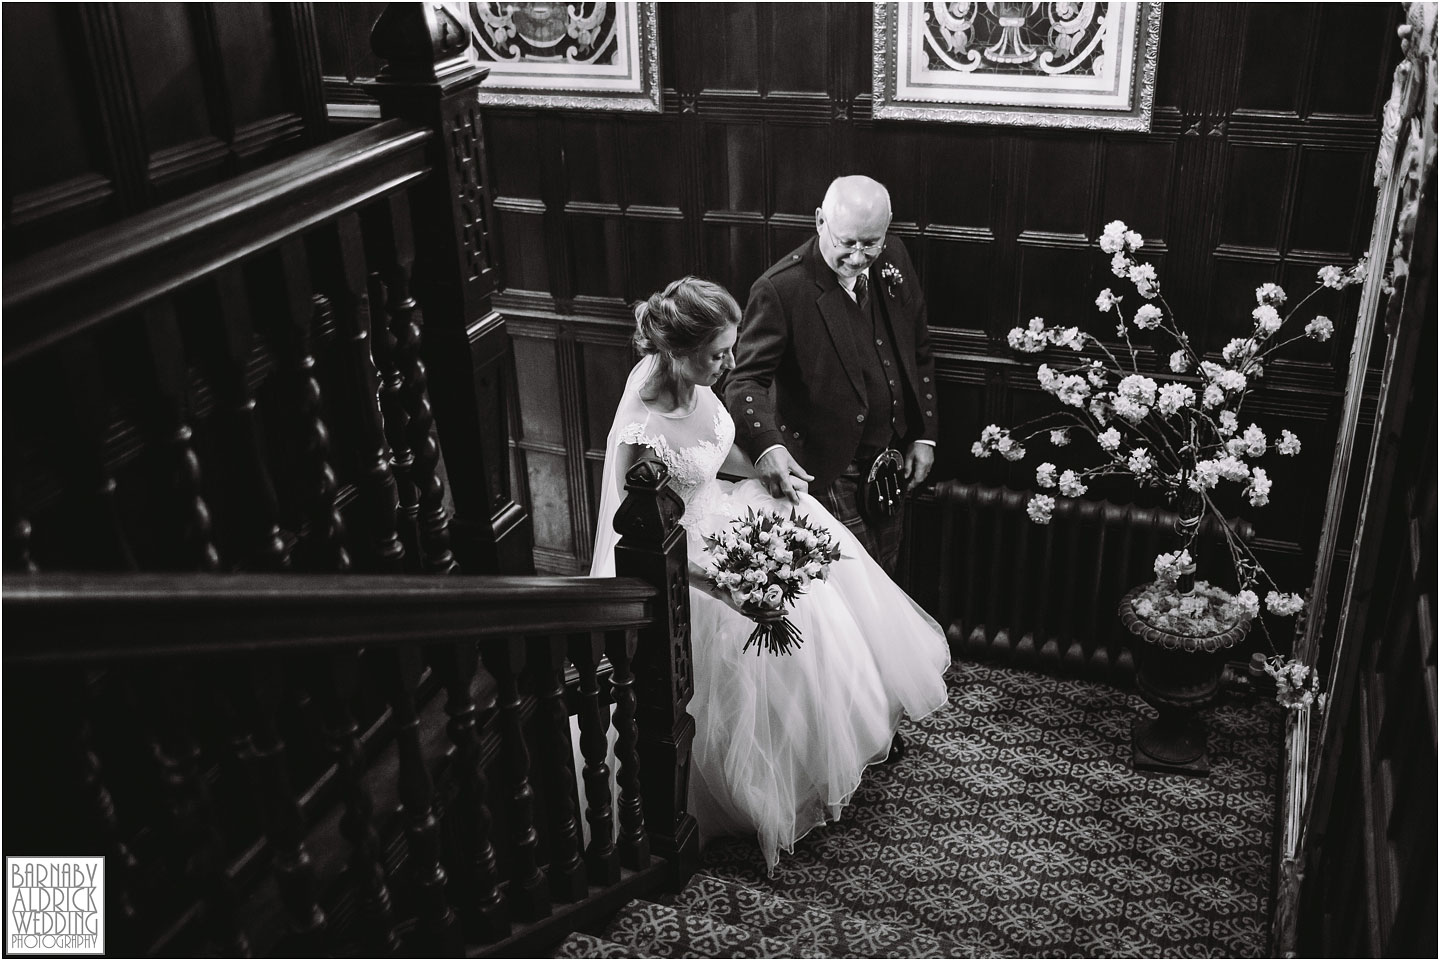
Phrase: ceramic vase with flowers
x=1185 y=435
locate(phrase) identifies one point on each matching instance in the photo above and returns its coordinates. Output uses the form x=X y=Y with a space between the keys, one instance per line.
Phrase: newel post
x=652 y=547
x=428 y=80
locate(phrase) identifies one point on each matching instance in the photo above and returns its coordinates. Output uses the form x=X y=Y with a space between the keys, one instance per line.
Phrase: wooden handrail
x=75 y=286
x=75 y=618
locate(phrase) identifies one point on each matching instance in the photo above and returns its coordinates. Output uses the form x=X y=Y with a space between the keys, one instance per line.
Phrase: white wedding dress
x=781 y=741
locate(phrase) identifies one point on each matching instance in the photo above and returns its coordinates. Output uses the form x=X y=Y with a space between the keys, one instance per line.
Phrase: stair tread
x=811 y=930
x=582 y=945
x=663 y=931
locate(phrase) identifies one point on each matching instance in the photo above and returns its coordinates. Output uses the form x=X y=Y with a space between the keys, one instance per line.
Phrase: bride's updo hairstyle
x=683 y=317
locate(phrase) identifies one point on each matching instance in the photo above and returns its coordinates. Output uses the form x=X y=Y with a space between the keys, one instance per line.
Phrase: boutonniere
x=892 y=277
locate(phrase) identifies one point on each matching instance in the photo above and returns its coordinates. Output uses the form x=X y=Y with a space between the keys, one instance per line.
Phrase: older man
x=834 y=365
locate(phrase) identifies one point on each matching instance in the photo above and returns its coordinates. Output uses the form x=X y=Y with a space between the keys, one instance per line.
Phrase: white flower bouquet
x=1184 y=435
x=765 y=561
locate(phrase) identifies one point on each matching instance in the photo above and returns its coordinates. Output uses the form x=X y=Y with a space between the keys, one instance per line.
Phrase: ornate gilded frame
x=965 y=88
x=630 y=81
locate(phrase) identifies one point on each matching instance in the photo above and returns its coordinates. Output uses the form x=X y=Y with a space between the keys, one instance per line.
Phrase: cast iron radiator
x=1044 y=596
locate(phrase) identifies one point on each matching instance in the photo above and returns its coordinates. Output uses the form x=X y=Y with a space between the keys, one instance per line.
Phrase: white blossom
x=1238 y=350
x=1319 y=329
x=1040 y=508
x=1023 y=340
x=1206 y=475
x=1173 y=397
x=1288 y=445
x=1096 y=374
x=1270 y=294
x=1148 y=317
x=1106 y=300
x=1112 y=240
x=1071 y=485
x=1248 y=602
x=1179 y=361
x=1060 y=437
x=1130 y=410
x=1284 y=604
x=1013 y=452
x=1140 y=462
x=1138 y=388
x=1267 y=319
x=1045 y=475
x=1145 y=281
x=1259 y=489
x=1331 y=276
x=1109 y=439
x=1172 y=565
x=1120 y=264
x=1229 y=423
x=1255 y=443
x=1232 y=468
x=1214 y=396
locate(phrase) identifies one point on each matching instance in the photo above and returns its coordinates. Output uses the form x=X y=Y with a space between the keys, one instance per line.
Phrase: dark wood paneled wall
x=113 y=108
x=1258 y=168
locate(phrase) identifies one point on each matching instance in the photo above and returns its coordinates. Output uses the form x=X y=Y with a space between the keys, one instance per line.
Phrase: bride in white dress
x=781 y=741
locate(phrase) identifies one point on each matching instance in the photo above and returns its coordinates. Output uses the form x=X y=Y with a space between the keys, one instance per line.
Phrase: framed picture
x=1088 y=65
x=588 y=56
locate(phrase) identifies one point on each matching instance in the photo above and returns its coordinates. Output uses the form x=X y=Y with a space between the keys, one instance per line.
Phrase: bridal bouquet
x=766 y=561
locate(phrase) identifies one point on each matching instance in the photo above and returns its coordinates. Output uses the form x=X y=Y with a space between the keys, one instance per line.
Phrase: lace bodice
x=692 y=445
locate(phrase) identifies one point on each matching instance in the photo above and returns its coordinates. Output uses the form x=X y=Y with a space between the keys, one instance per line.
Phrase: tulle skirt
x=782 y=740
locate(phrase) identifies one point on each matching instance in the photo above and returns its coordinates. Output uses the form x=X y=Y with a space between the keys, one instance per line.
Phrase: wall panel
x=1257 y=169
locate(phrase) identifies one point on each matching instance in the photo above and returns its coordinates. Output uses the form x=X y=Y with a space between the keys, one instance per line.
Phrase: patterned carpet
x=1015 y=827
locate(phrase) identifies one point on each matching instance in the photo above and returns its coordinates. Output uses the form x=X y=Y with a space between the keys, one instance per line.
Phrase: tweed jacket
x=798 y=377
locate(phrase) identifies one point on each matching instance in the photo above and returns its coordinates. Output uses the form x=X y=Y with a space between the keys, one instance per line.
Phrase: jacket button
x=783 y=427
x=749 y=400
x=797 y=433
x=925 y=379
x=859 y=417
x=749 y=410
x=757 y=423
x=929 y=397
x=929 y=414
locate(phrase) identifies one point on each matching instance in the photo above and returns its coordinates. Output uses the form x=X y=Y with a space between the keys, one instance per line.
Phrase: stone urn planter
x=1182 y=633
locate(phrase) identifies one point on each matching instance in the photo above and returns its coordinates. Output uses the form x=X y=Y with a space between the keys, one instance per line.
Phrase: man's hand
x=781 y=476
x=918 y=461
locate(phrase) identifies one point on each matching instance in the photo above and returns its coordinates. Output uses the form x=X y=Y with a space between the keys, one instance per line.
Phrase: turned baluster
x=197 y=845
x=120 y=862
x=324 y=548
x=256 y=692
x=352 y=306
x=84 y=421
x=505 y=659
x=337 y=683
x=393 y=413
x=434 y=520
x=633 y=842
x=252 y=475
x=601 y=860
x=438 y=931
x=167 y=363
x=457 y=665
x=17 y=532
x=567 y=868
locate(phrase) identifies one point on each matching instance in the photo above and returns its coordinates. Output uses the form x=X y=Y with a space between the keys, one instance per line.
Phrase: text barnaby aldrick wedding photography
x=55 y=905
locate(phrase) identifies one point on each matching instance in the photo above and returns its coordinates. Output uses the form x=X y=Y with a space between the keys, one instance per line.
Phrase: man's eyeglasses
x=865 y=250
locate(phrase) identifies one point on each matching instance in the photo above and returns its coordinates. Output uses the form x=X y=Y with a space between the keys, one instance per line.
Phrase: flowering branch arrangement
x=1183 y=437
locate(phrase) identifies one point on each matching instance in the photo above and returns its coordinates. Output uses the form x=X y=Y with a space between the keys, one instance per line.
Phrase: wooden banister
x=73 y=287
x=73 y=618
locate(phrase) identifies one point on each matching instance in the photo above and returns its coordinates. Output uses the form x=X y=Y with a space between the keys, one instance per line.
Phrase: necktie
x=862 y=291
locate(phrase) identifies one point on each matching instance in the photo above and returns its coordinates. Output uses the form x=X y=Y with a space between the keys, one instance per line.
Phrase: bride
x=781 y=741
